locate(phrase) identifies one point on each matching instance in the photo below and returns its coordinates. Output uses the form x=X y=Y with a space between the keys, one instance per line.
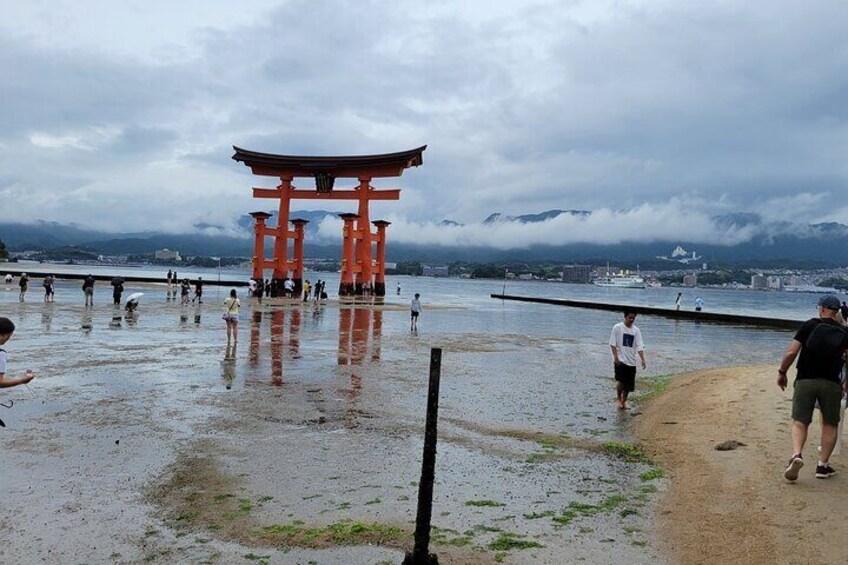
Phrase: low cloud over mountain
x=640 y=232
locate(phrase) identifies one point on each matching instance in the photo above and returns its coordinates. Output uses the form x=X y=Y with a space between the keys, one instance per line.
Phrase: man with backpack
x=88 y=290
x=820 y=345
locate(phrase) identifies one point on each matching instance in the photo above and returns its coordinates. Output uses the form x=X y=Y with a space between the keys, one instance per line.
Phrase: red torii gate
x=357 y=262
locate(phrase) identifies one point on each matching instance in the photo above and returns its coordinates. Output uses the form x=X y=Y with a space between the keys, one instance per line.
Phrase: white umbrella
x=134 y=296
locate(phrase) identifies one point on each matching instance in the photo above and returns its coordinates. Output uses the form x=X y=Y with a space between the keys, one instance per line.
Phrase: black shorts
x=414 y=314
x=626 y=375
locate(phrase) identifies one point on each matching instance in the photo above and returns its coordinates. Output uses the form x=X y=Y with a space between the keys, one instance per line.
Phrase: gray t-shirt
x=2 y=361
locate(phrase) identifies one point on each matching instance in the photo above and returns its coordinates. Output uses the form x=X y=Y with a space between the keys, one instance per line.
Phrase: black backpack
x=826 y=340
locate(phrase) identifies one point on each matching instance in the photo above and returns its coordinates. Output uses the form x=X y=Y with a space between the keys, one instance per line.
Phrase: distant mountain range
x=824 y=243
x=530 y=218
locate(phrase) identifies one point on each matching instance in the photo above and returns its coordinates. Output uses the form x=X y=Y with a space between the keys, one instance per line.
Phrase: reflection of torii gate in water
x=358 y=265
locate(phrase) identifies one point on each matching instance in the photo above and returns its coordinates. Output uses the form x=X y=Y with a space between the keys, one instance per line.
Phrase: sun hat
x=829 y=301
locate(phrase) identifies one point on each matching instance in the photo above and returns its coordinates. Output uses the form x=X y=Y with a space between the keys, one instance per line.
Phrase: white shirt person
x=628 y=350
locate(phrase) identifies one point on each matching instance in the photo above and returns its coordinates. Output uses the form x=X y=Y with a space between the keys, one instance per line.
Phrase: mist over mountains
x=740 y=237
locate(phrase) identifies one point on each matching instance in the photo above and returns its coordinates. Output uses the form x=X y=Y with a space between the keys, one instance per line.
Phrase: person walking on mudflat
x=626 y=343
x=185 y=289
x=49 y=290
x=198 y=291
x=24 y=284
x=88 y=290
x=231 y=316
x=819 y=345
x=415 y=310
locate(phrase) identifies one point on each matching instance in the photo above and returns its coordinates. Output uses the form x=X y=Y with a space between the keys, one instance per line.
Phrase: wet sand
x=144 y=440
x=734 y=506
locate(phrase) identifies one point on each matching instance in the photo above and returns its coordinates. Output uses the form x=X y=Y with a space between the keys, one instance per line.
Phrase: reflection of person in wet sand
x=131 y=317
x=231 y=312
x=47 y=317
x=625 y=343
x=228 y=366
x=415 y=310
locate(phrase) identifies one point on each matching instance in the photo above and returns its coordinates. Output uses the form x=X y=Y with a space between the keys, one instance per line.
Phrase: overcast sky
x=656 y=115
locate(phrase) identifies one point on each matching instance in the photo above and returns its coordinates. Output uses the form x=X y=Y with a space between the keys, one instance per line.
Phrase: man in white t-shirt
x=625 y=344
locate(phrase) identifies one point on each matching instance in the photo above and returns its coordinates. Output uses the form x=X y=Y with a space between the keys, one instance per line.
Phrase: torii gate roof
x=351 y=166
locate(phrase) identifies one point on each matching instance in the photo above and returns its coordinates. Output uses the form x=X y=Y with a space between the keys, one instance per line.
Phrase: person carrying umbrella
x=132 y=301
x=117 y=289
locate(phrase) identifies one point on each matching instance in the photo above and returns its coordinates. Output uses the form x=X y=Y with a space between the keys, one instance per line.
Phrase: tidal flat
x=144 y=439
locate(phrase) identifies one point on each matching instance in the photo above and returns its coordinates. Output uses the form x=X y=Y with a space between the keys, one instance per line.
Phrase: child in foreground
x=7 y=328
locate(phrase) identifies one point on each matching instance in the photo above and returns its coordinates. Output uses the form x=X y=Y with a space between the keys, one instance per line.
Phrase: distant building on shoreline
x=577 y=273
x=759 y=282
x=690 y=280
x=167 y=255
x=680 y=255
x=434 y=271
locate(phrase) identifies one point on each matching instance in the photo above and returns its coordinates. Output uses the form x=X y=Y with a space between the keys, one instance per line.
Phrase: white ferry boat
x=811 y=288
x=620 y=280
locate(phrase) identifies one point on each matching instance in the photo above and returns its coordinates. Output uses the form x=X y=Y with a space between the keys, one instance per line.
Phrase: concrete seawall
x=712 y=317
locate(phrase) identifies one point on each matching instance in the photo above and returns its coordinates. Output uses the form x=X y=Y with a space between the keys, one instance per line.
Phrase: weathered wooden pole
x=421 y=551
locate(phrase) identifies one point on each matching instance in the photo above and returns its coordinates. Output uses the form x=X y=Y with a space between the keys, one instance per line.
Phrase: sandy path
x=735 y=506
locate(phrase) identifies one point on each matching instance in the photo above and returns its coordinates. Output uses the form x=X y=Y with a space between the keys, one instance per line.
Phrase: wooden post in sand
x=421 y=551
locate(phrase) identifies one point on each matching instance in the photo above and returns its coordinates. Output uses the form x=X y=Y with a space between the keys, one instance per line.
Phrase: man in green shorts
x=822 y=343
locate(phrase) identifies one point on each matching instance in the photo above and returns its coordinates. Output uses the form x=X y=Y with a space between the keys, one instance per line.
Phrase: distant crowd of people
x=274 y=288
x=258 y=289
x=699 y=302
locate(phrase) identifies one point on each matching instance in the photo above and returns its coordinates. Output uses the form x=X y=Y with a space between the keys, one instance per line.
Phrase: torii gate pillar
x=349 y=266
x=259 y=230
x=363 y=236
x=380 y=271
x=297 y=276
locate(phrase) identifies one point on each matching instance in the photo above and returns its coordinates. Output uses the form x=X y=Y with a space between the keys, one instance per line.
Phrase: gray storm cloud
x=655 y=115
